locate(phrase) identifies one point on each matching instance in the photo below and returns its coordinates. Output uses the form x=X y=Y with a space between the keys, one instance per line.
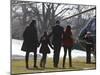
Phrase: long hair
x=68 y=28
x=68 y=31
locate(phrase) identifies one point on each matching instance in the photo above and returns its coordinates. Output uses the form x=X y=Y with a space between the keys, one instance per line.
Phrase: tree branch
x=62 y=11
x=80 y=13
x=57 y=7
x=66 y=9
x=36 y=11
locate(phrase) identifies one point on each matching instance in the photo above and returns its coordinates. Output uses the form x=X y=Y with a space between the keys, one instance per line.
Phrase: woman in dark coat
x=30 y=42
x=68 y=44
x=44 y=49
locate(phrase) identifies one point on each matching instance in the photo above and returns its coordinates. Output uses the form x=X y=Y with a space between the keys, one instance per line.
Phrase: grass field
x=18 y=66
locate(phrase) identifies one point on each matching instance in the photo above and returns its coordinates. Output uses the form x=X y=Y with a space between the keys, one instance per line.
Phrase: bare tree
x=45 y=13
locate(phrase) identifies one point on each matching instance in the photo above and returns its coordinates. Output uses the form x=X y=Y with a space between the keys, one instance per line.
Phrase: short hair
x=57 y=22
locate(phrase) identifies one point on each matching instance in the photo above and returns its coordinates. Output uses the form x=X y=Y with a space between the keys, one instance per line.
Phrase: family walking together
x=59 y=38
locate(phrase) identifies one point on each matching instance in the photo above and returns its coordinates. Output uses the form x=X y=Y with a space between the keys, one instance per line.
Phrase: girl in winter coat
x=44 y=49
x=68 y=44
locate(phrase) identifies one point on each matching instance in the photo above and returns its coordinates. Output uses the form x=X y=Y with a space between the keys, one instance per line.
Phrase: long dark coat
x=30 y=39
x=44 y=45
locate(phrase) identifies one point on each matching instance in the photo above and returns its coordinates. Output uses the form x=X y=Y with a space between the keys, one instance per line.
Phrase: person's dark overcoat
x=57 y=35
x=30 y=39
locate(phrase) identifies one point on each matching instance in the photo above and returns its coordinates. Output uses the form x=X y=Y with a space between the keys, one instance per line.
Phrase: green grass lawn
x=18 y=66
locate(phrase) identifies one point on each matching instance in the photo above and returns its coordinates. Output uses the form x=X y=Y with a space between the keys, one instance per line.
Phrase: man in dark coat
x=89 y=46
x=56 y=34
x=30 y=42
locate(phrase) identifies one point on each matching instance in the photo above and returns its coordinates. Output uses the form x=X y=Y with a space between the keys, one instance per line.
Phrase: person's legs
x=90 y=56
x=56 y=55
x=88 y=59
x=26 y=59
x=35 y=57
x=70 y=58
x=44 y=60
x=41 y=62
x=64 y=58
x=87 y=54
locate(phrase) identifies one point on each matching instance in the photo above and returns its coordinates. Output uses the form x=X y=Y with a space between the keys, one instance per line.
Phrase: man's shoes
x=41 y=65
x=36 y=67
x=88 y=62
x=63 y=66
x=27 y=67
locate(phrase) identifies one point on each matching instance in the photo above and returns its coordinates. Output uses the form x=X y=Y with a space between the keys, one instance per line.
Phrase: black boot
x=26 y=60
x=35 y=66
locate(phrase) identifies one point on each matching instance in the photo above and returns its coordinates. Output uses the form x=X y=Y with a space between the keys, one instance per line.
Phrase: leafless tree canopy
x=22 y=13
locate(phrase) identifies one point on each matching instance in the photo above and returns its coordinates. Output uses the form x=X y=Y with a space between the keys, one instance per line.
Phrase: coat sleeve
x=25 y=33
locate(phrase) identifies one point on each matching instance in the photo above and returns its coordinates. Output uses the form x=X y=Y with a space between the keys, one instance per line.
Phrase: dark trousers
x=88 y=54
x=70 y=58
x=43 y=60
x=56 y=55
x=27 y=58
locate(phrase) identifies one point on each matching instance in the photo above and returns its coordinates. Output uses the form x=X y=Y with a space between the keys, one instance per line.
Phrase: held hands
x=52 y=47
x=38 y=44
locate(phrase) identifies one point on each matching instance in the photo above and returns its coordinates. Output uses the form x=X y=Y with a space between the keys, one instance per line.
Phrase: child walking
x=44 y=49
